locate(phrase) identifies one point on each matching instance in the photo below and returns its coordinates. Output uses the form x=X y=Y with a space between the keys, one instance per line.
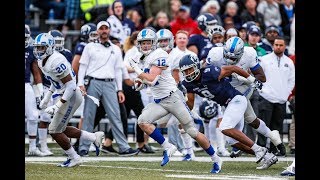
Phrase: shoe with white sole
x=46 y=151
x=260 y=154
x=167 y=153
x=223 y=152
x=216 y=167
x=97 y=143
x=71 y=162
x=289 y=171
x=35 y=152
x=268 y=160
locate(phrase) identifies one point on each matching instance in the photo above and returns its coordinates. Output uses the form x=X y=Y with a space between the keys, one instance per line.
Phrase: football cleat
x=268 y=160
x=216 y=167
x=35 y=152
x=97 y=143
x=260 y=154
x=168 y=153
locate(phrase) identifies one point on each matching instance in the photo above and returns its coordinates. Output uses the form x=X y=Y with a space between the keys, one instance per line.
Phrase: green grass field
x=147 y=167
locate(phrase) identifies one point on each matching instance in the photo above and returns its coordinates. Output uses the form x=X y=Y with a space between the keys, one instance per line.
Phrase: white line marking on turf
x=148 y=159
x=246 y=177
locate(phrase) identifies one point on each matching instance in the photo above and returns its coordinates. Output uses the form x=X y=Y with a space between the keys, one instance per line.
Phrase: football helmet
x=165 y=34
x=43 y=46
x=208 y=109
x=189 y=61
x=233 y=50
x=27 y=36
x=206 y=21
x=58 y=39
x=88 y=33
x=144 y=35
x=216 y=29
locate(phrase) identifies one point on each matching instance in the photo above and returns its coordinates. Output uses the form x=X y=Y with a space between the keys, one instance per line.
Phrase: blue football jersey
x=200 y=42
x=209 y=87
x=28 y=59
x=79 y=48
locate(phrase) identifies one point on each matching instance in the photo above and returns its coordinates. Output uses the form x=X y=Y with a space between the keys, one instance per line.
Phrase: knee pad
x=45 y=117
x=52 y=129
x=190 y=129
x=32 y=127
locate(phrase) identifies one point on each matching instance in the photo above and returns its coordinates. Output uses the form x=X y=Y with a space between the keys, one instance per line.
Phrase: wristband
x=251 y=79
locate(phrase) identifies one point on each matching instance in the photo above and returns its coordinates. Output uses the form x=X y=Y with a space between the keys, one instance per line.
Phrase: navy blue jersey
x=28 y=60
x=79 y=48
x=128 y=26
x=67 y=54
x=209 y=87
x=200 y=42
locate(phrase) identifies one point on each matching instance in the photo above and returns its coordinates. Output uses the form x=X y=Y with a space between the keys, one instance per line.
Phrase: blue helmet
x=189 y=61
x=206 y=21
x=233 y=50
x=27 y=36
x=88 y=33
x=208 y=109
x=58 y=39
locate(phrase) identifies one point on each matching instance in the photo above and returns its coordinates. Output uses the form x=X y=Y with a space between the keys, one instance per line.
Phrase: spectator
x=270 y=11
x=152 y=7
x=254 y=36
x=287 y=10
x=244 y=28
x=251 y=14
x=223 y=5
x=270 y=34
x=231 y=32
x=280 y=74
x=228 y=23
x=196 y=6
x=135 y=17
x=73 y=15
x=103 y=68
x=184 y=22
x=175 y=5
x=212 y=7
x=122 y=27
x=291 y=49
x=232 y=11
x=57 y=5
x=93 y=8
x=161 y=21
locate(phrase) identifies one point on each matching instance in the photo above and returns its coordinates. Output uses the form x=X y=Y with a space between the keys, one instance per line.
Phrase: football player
x=58 y=70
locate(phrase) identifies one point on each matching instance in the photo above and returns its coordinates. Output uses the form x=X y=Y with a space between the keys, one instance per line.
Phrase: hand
x=52 y=109
x=134 y=63
x=182 y=88
x=121 y=97
x=138 y=84
x=43 y=103
x=83 y=90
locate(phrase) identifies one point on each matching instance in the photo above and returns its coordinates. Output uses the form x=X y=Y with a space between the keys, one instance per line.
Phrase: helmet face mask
x=58 y=39
x=43 y=46
x=233 y=50
x=165 y=39
x=145 y=36
x=189 y=66
x=93 y=36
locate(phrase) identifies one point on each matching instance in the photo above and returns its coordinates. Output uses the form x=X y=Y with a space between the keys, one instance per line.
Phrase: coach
x=100 y=75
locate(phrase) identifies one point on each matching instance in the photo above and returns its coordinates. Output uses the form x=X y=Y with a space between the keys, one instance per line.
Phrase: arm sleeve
x=70 y=88
x=118 y=70
x=81 y=74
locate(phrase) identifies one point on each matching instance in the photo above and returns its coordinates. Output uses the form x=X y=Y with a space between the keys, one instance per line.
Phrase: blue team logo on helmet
x=88 y=33
x=187 y=62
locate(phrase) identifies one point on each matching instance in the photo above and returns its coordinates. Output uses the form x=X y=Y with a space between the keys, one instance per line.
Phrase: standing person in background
x=212 y=7
x=152 y=7
x=32 y=101
x=271 y=12
x=280 y=74
x=183 y=21
x=161 y=21
x=250 y=13
x=122 y=27
x=101 y=65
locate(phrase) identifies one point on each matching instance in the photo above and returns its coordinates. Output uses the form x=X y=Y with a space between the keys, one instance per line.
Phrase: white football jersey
x=56 y=68
x=174 y=58
x=248 y=60
x=166 y=82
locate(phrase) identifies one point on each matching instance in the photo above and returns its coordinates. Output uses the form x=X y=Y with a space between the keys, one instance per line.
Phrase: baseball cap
x=254 y=30
x=184 y=8
x=272 y=28
x=101 y=23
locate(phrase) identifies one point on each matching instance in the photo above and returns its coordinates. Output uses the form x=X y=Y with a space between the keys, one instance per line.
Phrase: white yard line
x=145 y=159
x=245 y=177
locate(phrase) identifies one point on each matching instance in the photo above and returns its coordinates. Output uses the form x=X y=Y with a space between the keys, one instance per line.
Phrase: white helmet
x=147 y=34
x=216 y=29
x=43 y=46
x=165 y=34
x=233 y=50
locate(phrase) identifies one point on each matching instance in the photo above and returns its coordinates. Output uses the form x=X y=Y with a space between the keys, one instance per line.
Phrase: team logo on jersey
x=286 y=65
x=207 y=70
x=216 y=68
